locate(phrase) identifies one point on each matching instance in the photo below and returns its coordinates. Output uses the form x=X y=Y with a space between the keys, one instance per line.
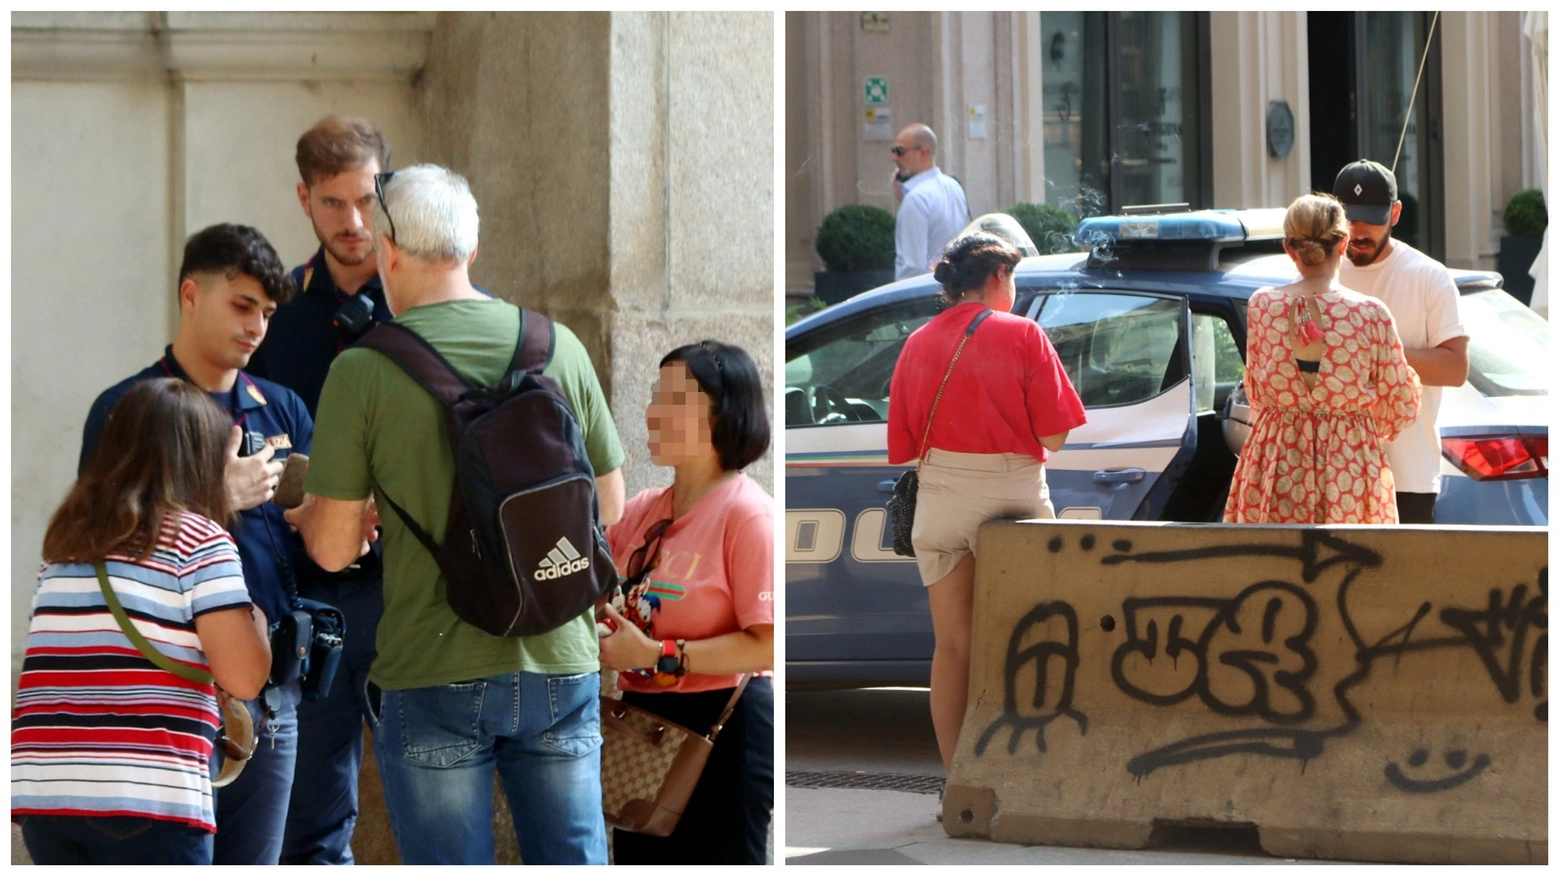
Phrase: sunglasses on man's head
x=379 y=191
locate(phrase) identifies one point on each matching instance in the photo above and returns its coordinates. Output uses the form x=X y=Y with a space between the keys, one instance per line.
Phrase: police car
x=1150 y=323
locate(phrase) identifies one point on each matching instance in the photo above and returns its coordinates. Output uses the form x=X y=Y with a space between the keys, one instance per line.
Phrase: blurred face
x=678 y=417
x=341 y=209
x=227 y=318
x=1367 y=242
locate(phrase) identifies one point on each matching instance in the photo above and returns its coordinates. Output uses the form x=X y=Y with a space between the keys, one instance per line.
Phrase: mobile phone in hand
x=289 y=490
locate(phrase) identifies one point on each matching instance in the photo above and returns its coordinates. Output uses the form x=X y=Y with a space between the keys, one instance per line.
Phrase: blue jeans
x=324 y=807
x=113 y=840
x=252 y=812
x=438 y=748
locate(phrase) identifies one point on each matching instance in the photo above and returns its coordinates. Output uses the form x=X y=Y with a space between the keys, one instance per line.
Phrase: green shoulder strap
x=183 y=671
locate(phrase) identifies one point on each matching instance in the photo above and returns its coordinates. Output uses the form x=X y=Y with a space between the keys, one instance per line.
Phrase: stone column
x=1268 y=49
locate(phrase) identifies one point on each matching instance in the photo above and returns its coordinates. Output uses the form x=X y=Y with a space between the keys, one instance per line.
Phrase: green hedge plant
x=1049 y=226
x=857 y=237
x=1525 y=214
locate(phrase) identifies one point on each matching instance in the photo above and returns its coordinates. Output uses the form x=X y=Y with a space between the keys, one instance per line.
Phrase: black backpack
x=523 y=552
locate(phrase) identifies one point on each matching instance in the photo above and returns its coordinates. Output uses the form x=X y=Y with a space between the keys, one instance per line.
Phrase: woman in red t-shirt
x=1006 y=406
x=697 y=608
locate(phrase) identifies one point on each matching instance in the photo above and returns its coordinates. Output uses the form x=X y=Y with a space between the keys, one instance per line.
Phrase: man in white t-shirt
x=1422 y=297
x=932 y=208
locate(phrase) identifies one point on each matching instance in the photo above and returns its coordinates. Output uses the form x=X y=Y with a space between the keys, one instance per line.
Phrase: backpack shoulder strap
x=417 y=358
x=534 y=351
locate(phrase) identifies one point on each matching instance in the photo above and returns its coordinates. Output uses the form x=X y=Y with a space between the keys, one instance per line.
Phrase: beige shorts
x=959 y=492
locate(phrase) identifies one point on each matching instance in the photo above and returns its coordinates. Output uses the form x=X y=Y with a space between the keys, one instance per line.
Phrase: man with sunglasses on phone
x=457 y=705
x=932 y=207
x=339 y=298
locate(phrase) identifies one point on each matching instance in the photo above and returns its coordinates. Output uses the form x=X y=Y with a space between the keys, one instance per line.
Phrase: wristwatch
x=668 y=663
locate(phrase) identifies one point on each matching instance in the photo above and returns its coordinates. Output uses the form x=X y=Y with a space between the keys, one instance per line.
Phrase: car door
x=853 y=607
x=1128 y=356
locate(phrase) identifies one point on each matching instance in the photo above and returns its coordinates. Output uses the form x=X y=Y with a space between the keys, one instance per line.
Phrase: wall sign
x=977 y=125
x=878 y=124
x=1280 y=129
x=876 y=88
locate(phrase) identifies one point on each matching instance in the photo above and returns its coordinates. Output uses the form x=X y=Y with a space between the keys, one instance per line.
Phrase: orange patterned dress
x=1315 y=453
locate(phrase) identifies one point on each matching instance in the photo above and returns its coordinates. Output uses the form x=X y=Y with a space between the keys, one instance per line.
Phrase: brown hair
x=969 y=260
x=162 y=450
x=1314 y=225
x=339 y=143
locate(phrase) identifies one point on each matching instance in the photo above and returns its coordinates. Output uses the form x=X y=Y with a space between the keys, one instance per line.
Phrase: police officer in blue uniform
x=340 y=297
x=230 y=284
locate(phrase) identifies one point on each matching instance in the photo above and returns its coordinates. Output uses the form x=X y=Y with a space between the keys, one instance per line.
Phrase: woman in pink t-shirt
x=696 y=612
x=1006 y=406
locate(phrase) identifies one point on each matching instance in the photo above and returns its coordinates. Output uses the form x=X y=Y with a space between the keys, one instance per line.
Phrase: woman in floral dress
x=1328 y=384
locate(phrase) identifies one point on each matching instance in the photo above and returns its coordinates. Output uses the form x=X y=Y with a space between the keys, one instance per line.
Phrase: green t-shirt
x=377 y=429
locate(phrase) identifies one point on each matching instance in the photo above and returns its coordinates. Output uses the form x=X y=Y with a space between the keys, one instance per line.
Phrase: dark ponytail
x=969 y=260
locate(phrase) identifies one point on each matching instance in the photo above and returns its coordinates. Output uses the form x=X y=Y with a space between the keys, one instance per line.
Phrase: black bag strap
x=428 y=367
x=927 y=436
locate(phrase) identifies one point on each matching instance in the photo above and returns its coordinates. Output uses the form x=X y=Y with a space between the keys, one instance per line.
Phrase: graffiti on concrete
x=1506 y=622
x=1251 y=656
x=1455 y=759
x=1034 y=648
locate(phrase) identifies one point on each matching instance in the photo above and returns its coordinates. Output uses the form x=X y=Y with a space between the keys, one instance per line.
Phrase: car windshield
x=1507 y=345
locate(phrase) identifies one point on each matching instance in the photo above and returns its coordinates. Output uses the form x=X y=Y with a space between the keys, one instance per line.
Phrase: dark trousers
x=1416 y=508
x=727 y=820
x=324 y=807
x=113 y=840
x=252 y=812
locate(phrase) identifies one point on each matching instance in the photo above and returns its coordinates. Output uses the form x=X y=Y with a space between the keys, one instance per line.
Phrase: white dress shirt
x=933 y=211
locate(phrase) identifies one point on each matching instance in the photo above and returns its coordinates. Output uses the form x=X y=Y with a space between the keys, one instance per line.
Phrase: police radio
x=252 y=444
x=354 y=316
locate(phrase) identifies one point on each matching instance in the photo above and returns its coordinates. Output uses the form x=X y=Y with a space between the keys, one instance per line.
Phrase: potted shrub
x=856 y=244
x=1525 y=220
x=1049 y=226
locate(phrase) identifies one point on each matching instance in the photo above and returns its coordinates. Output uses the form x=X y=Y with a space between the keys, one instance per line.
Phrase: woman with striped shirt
x=110 y=754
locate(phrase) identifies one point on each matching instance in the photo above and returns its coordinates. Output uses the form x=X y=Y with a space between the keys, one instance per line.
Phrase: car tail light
x=1499 y=458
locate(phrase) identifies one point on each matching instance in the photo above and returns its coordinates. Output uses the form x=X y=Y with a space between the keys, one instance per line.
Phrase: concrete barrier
x=1366 y=693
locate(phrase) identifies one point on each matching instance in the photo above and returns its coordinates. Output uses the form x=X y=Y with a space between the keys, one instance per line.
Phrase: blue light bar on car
x=1203 y=226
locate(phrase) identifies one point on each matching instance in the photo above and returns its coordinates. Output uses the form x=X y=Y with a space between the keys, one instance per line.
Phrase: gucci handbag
x=901 y=506
x=649 y=766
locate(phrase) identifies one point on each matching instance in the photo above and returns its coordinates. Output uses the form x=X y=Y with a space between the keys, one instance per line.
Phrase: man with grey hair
x=932 y=208
x=455 y=703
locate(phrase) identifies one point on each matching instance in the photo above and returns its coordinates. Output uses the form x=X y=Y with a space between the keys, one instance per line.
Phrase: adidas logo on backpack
x=563 y=560
x=524 y=489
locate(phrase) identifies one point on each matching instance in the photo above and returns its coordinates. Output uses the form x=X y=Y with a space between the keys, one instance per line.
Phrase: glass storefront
x=1122 y=92
x=1362 y=71
x=1396 y=41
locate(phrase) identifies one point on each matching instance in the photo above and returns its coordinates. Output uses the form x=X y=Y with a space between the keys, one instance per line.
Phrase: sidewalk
x=865 y=827
x=862 y=743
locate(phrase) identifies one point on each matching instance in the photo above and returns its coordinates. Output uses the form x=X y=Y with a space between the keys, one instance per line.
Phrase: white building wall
x=130 y=131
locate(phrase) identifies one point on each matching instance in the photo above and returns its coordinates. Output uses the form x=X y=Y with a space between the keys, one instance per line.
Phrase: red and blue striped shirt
x=98 y=729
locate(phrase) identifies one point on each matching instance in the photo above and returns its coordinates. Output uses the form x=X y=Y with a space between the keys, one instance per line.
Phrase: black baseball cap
x=1367 y=190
